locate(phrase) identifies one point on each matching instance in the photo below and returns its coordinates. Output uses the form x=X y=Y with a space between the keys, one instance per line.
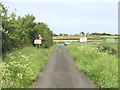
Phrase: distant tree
x=82 y=34
x=54 y=34
x=95 y=33
x=60 y=34
x=65 y=35
x=105 y=34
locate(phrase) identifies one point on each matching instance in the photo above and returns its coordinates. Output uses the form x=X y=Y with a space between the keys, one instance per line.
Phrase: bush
x=20 y=31
x=106 y=48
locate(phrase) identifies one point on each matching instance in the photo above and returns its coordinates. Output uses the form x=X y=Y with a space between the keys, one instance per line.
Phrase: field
x=21 y=68
x=77 y=37
x=99 y=61
x=91 y=38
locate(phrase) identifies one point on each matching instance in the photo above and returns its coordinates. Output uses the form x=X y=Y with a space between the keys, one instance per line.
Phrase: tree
x=21 y=31
x=65 y=35
x=54 y=34
x=6 y=41
x=46 y=33
x=60 y=34
x=95 y=33
x=82 y=34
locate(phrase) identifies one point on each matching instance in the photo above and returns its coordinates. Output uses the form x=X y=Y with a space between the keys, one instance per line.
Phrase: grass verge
x=100 y=66
x=21 y=67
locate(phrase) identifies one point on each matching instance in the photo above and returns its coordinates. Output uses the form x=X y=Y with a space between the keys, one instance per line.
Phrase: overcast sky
x=71 y=16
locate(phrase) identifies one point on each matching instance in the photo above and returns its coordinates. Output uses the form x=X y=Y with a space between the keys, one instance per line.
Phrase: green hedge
x=20 y=31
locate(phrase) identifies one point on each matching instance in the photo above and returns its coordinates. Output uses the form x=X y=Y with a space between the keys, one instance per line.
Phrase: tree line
x=83 y=33
x=20 y=31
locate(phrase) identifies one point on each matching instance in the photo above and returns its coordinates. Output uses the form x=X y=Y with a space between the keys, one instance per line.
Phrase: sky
x=71 y=16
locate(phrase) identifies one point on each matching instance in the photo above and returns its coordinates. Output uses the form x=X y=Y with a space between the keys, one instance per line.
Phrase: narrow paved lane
x=62 y=72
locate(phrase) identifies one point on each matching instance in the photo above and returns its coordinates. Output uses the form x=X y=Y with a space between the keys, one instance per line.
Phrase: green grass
x=21 y=67
x=100 y=66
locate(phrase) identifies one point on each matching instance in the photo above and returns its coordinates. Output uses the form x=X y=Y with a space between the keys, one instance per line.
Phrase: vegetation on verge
x=22 y=61
x=21 y=67
x=20 y=31
x=98 y=61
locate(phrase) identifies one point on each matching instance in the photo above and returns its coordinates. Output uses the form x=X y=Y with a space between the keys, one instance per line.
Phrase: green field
x=99 y=61
x=21 y=67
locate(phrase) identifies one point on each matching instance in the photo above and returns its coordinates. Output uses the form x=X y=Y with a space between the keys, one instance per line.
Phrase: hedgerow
x=20 y=31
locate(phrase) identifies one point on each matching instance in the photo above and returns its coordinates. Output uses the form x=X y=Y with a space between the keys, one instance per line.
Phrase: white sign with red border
x=38 y=39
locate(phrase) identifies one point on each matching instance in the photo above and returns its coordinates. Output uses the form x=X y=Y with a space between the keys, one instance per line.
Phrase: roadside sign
x=38 y=39
x=39 y=35
x=83 y=39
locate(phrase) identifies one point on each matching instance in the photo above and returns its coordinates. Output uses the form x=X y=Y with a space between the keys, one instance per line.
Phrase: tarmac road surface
x=62 y=72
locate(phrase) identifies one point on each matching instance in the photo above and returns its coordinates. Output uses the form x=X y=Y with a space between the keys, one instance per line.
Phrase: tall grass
x=21 y=67
x=101 y=67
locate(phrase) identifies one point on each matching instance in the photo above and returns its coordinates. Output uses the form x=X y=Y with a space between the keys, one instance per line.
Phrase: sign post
x=38 y=40
x=83 y=39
